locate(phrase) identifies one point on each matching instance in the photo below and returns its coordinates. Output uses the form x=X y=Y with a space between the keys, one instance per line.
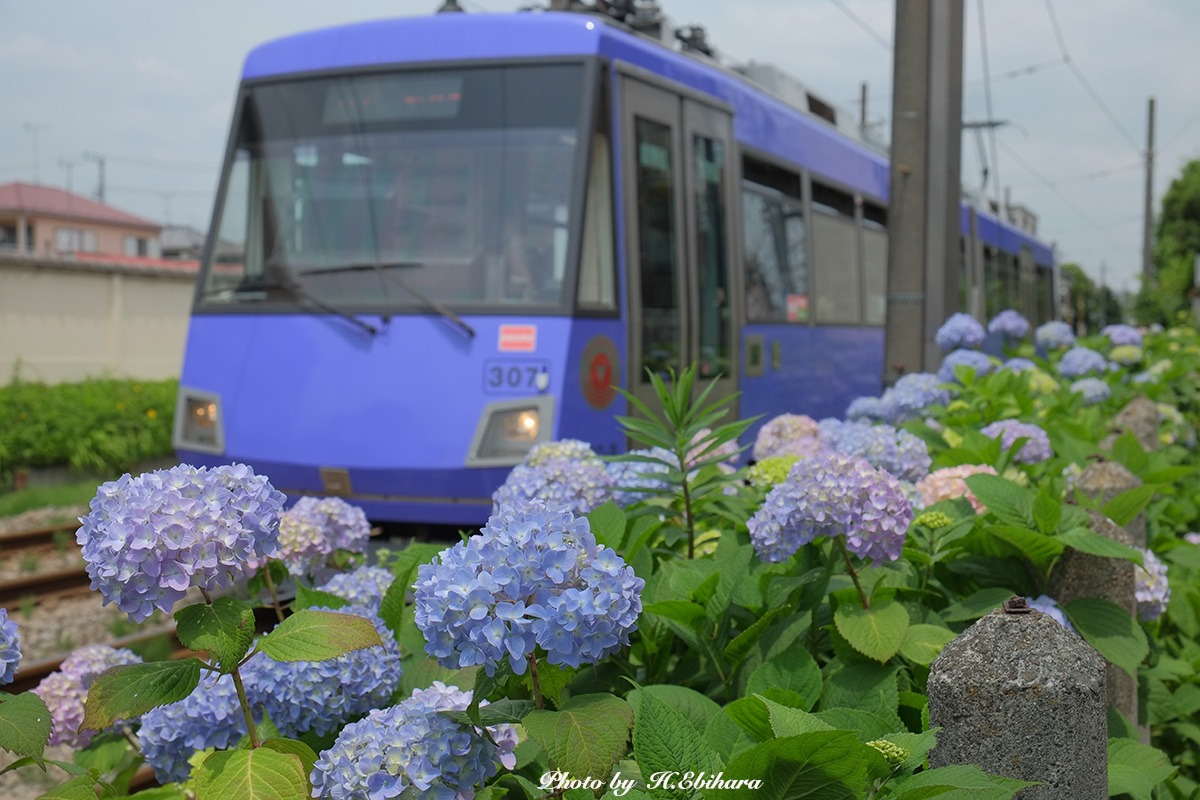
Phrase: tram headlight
x=508 y=429
x=198 y=423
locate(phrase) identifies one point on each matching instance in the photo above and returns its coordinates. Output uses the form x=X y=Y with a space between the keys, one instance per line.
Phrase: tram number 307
x=500 y=376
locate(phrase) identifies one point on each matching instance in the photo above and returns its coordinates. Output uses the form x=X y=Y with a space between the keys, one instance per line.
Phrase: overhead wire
x=862 y=23
x=987 y=98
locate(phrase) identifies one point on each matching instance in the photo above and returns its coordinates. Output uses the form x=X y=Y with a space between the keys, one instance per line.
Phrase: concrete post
x=1019 y=695
x=1107 y=479
x=1141 y=418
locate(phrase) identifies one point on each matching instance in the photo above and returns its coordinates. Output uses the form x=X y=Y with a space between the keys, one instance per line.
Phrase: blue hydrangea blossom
x=321 y=696
x=412 y=752
x=1079 y=361
x=10 y=647
x=149 y=539
x=1151 y=588
x=209 y=717
x=882 y=446
x=833 y=494
x=534 y=578
x=315 y=528
x=787 y=435
x=1047 y=605
x=1037 y=447
x=960 y=330
x=1054 y=335
x=966 y=358
x=1093 y=390
x=636 y=481
x=364 y=586
x=566 y=473
x=867 y=409
x=65 y=691
x=1121 y=334
x=1010 y=323
x=911 y=395
x=1019 y=365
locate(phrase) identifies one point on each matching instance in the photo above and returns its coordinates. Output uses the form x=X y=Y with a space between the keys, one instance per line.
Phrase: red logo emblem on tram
x=599 y=370
x=517 y=339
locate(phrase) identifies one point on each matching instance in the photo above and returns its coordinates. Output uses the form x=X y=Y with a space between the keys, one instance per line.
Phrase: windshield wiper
x=300 y=292
x=383 y=268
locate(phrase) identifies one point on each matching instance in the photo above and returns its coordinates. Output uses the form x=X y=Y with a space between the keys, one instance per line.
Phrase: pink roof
x=29 y=198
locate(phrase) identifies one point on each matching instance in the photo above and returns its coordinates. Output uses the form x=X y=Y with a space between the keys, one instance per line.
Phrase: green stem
x=129 y=737
x=866 y=604
x=207 y=597
x=274 y=594
x=537 y=684
x=245 y=704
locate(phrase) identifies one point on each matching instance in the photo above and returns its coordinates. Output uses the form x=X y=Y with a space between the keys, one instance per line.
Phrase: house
x=43 y=221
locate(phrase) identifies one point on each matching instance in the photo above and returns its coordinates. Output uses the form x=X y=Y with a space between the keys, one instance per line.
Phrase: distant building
x=181 y=242
x=85 y=290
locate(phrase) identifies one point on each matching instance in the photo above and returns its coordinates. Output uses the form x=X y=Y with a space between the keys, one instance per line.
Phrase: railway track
x=34 y=545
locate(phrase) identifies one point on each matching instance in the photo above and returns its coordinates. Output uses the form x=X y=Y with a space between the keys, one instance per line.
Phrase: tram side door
x=680 y=195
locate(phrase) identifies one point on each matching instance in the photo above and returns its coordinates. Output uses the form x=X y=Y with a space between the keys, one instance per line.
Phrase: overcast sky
x=150 y=86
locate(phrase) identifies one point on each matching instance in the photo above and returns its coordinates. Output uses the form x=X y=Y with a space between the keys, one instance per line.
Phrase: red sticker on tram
x=517 y=339
x=599 y=372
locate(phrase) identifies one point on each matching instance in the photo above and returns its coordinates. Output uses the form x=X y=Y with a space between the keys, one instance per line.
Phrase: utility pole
x=862 y=104
x=925 y=185
x=99 y=159
x=32 y=130
x=1103 y=294
x=1148 y=211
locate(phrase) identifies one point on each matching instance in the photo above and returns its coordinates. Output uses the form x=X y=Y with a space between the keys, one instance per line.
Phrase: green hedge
x=100 y=426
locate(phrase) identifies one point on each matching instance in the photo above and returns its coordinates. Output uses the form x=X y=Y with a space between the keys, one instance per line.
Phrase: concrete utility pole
x=923 y=208
x=1148 y=212
x=99 y=159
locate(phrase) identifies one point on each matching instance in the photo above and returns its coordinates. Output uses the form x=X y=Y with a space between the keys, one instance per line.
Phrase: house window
x=137 y=246
x=67 y=240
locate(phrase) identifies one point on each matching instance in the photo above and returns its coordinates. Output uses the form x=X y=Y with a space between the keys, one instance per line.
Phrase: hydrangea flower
x=10 y=647
x=1047 y=605
x=1126 y=355
x=960 y=330
x=316 y=527
x=833 y=494
x=966 y=358
x=912 y=395
x=770 y=471
x=787 y=435
x=1079 y=361
x=949 y=483
x=1019 y=365
x=882 y=446
x=364 y=586
x=1151 y=587
x=410 y=751
x=1121 y=334
x=1036 y=448
x=534 y=577
x=867 y=409
x=150 y=538
x=559 y=473
x=65 y=691
x=1192 y=537
x=208 y=717
x=321 y=696
x=1093 y=390
x=1054 y=335
x=635 y=481
x=1010 y=323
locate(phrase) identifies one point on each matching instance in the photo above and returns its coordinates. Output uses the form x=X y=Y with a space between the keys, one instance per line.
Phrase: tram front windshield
x=395 y=190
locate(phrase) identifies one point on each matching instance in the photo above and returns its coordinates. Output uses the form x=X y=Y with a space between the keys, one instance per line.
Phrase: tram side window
x=835 y=254
x=776 y=257
x=993 y=281
x=656 y=240
x=597 y=289
x=875 y=256
x=1045 y=294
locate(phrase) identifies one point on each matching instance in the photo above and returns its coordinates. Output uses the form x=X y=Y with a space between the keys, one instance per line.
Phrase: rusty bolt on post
x=1017 y=605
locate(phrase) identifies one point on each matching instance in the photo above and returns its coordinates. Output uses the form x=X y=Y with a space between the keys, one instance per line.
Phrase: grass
x=67 y=494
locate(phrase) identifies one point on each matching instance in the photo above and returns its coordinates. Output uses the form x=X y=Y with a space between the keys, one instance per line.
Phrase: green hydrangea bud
x=1126 y=354
x=892 y=752
x=1016 y=476
x=934 y=520
x=771 y=471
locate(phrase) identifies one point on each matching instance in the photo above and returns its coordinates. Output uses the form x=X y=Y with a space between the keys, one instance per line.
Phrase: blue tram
x=440 y=240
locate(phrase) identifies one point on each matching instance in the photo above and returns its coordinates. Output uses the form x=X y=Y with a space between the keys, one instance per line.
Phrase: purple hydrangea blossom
x=321 y=696
x=965 y=358
x=149 y=539
x=315 y=528
x=411 y=751
x=1019 y=365
x=1151 y=587
x=635 y=481
x=1054 y=335
x=1121 y=334
x=787 y=435
x=960 y=330
x=1037 y=447
x=867 y=409
x=1010 y=323
x=566 y=473
x=534 y=578
x=1047 y=605
x=65 y=691
x=1093 y=390
x=882 y=446
x=208 y=717
x=364 y=586
x=833 y=494
x=10 y=647
x=1079 y=361
x=912 y=395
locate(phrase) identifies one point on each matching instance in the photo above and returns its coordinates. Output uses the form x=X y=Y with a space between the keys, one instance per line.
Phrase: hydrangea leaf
x=1110 y=629
x=922 y=643
x=1088 y=541
x=225 y=629
x=822 y=765
x=308 y=598
x=128 y=691
x=310 y=635
x=665 y=741
x=1123 y=508
x=1010 y=503
x=976 y=605
x=297 y=748
x=794 y=670
x=876 y=632
x=497 y=713
x=81 y=787
x=787 y=721
x=866 y=687
x=262 y=774
x=608 y=524
x=587 y=736
x=1135 y=769
x=394 y=602
x=24 y=724
x=957 y=782
x=695 y=707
